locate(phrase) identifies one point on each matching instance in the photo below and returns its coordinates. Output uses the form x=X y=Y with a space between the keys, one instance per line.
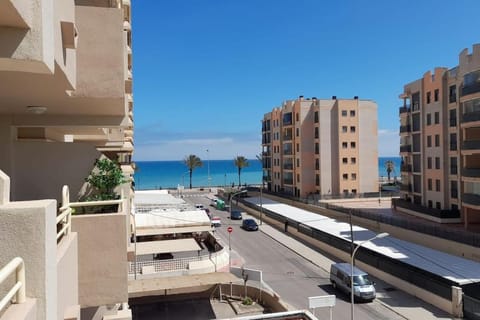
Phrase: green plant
x=103 y=180
x=192 y=162
x=247 y=301
x=240 y=162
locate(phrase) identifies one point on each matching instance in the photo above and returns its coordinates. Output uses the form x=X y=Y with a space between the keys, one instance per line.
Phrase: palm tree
x=192 y=162
x=240 y=162
x=390 y=167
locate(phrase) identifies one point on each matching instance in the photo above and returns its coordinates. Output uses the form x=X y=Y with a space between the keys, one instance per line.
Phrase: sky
x=206 y=71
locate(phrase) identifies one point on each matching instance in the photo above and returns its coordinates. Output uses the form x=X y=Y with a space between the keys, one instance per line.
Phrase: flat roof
x=160 y=197
x=167 y=246
x=160 y=231
x=454 y=268
x=161 y=219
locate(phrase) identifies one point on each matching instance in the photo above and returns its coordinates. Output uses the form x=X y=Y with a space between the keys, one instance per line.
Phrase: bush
x=247 y=301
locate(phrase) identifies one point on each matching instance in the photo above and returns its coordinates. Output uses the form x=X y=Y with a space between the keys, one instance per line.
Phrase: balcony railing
x=287 y=151
x=64 y=217
x=406 y=187
x=471 y=198
x=404 y=109
x=406 y=128
x=473 y=173
x=406 y=148
x=287 y=137
x=288 y=166
x=471 y=145
x=443 y=214
x=474 y=88
x=288 y=181
x=18 y=289
x=471 y=116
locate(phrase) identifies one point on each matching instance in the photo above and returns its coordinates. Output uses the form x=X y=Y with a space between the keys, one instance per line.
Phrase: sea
x=171 y=174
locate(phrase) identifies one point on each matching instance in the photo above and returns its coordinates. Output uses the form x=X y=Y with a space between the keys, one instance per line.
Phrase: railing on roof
x=18 y=289
x=64 y=218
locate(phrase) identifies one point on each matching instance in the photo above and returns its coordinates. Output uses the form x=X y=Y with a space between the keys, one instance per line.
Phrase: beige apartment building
x=321 y=146
x=440 y=143
x=65 y=100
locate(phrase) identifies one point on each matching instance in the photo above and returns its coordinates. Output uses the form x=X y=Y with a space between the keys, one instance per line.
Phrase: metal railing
x=18 y=290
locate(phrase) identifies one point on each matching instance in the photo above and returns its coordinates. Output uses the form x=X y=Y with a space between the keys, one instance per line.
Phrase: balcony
x=406 y=128
x=287 y=152
x=471 y=145
x=404 y=109
x=472 y=173
x=471 y=116
x=471 y=199
x=406 y=187
x=453 y=146
x=287 y=137
x=473 y=88
x=437 y=213
x=288 y=166
x=288 y=181
x=406 y=148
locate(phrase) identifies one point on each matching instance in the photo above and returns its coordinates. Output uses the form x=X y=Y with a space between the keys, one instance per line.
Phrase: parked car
x=216 y=222
x=363 y=287
x=249 y=225
x=199 y=206
x=236 y=215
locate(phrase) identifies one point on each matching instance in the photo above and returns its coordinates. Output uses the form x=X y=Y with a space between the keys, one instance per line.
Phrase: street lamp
x=378 y=236
x=231 y=197
x=261 y=202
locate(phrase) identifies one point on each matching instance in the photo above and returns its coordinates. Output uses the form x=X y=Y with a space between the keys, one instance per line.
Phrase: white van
x=363 y=287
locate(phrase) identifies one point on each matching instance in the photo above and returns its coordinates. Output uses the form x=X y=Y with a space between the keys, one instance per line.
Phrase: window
x=429 y=184
x=345 y=191
x=429 y=141
x=437 y=140
x=429 y=119
x=352 y=113
x=352 y=129
x=316 y=132
x=453 y=141
x=354 y=191
x=453 y=165
x=437 y=117
x=317 y=164
x=353 y=160
x=317 y=179
x=437 y=162
x=317 y=148
x=452 y=94
x=438 y=205
x=315 y=117
x=345 y=176
x=296 y=117
x=353 y=145
x=298 y=147
x=437 y=185
x=354 y=176
x=344 y=113
x=430 y=203
x=454 y=189
x=429 y=163
x=429 y=97
x=298 y=177
x=297 y=132
x=344 y=129
x=453 y=117
x=344 y=160
x=344 y=145
x=298 y=162
x=436 y=95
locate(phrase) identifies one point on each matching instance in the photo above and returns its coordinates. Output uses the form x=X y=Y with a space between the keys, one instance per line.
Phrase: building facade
x=65 y=101
x=440 y=143
x=319 y=146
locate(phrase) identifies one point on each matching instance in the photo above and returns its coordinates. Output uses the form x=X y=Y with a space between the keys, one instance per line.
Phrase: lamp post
x=233 y=195
x=261 y=203
x=378 y=236
x=208 y=169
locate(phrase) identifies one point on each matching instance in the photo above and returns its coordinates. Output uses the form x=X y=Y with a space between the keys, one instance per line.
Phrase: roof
x=167 y=246
x=171 y=219
x=159 y=197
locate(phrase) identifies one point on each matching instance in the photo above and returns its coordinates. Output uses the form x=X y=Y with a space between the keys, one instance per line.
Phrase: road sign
x=229 y=229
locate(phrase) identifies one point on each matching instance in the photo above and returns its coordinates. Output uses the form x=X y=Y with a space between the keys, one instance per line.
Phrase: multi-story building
x=317 y=146
x=65 y=101
x=440 y=143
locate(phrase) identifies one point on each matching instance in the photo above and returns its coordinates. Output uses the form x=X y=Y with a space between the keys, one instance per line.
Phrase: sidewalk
x=398 y=301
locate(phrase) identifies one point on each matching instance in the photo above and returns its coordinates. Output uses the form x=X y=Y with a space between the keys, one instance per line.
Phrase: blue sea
x=170 y=174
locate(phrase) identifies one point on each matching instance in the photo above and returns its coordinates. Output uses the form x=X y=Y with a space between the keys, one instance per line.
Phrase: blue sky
x=206 y=71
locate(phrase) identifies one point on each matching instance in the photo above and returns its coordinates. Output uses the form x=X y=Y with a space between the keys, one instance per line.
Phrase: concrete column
x=457 y=302
x=4 y=188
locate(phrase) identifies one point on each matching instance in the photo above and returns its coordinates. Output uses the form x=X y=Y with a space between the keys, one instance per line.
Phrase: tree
x=240 y=162
x=390 y=167
x=105 y=177
x=192 y=162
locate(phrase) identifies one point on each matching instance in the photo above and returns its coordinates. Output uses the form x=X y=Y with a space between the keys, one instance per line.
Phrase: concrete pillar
x=457 y=302
x=4 y=188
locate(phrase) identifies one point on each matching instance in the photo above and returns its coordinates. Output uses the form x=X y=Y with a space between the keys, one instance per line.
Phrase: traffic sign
x=229 y=229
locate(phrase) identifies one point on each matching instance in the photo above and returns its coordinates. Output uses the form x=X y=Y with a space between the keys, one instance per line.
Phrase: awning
x=167 y=246
x=160 y=231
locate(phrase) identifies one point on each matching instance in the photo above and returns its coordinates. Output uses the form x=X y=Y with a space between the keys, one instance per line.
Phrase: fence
x=18 y=289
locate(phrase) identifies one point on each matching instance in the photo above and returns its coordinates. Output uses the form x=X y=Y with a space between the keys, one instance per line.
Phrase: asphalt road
x=293 y=277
